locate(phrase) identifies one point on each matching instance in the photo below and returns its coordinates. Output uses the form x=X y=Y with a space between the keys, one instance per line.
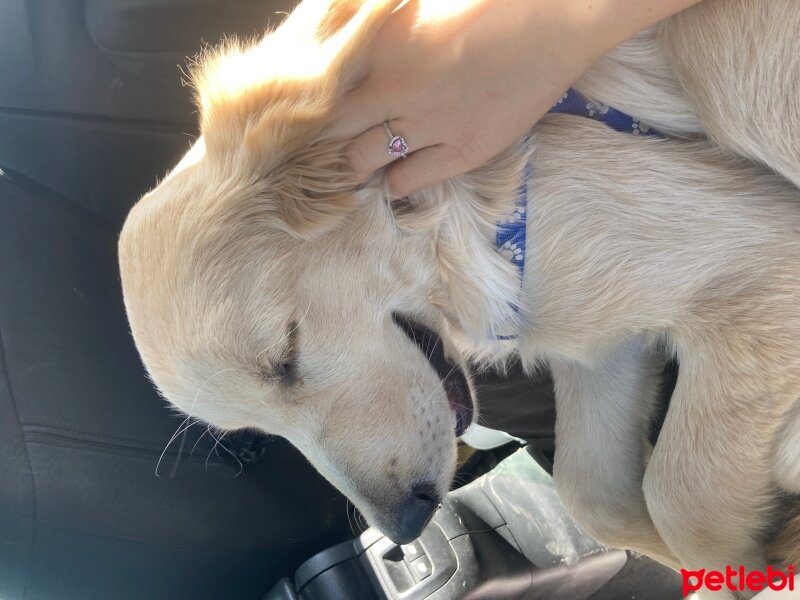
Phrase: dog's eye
x=282 y=373
x=283 y=368
x=286 y=372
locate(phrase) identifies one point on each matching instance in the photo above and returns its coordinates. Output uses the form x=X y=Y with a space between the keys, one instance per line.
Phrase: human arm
x=461 y=80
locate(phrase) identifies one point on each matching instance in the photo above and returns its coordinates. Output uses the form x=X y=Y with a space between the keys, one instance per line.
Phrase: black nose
x=414 y=513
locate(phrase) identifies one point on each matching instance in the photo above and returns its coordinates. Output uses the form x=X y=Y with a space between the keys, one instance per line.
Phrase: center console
x=505 y=535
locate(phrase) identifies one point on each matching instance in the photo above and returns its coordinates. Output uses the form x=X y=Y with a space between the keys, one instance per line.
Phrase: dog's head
x=264 y=292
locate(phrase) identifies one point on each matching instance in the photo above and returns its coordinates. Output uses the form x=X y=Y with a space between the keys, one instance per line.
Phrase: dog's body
x=233 y=272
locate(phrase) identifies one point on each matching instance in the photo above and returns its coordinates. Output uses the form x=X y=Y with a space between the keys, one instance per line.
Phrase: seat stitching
x=4 y=368
x=292 y=542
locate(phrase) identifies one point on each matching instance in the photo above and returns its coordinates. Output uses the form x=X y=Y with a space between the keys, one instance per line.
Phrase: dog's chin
x=454 y=380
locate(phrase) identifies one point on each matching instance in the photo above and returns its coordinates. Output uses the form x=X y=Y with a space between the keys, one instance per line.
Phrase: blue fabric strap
x=572 y=103
x=511 y=233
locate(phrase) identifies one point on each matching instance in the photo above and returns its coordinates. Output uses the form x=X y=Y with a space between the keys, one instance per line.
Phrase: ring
x=398 y=147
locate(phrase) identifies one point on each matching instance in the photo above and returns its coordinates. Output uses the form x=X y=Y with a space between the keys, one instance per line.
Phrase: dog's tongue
x=460 y=429
x=460 y=407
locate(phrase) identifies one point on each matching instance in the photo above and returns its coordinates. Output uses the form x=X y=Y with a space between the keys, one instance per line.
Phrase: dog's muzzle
x=451 y=375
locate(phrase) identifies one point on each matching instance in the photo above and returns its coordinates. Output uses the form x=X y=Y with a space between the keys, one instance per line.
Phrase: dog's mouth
x=453 y=378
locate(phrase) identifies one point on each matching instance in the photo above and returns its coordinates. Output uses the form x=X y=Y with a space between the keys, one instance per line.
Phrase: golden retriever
x=266 y=290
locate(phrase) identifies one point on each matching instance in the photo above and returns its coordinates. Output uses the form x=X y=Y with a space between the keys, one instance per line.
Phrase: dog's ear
x=263 y=106
x=300 y=68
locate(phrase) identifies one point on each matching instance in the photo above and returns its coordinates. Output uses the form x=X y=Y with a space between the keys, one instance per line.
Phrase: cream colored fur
x=260 y=288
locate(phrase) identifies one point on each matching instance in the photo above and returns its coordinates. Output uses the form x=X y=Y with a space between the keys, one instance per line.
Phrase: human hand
x=462 y=87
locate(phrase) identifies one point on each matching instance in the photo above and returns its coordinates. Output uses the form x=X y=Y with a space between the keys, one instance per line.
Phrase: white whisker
x=197 y=441
x=218 y=442
x=188 y=416
x=181 y=428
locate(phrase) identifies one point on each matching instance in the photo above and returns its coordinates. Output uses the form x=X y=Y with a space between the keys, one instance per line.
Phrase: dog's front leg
x=603 y=414
x=708 y=484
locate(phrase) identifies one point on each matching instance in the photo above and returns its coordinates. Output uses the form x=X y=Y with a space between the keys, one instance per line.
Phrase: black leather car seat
x=82 y=514
x=91 y=112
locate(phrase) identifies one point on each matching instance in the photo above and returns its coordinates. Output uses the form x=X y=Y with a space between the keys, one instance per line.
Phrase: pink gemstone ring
x=398 y=147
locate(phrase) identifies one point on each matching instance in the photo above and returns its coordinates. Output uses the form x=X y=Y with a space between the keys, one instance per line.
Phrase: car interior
x=106 y=492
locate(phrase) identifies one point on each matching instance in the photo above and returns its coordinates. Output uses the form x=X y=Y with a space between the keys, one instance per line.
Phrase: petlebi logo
x=738 y=579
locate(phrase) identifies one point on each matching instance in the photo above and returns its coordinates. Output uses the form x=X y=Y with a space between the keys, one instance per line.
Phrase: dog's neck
x=478 y=266
x=481 y=233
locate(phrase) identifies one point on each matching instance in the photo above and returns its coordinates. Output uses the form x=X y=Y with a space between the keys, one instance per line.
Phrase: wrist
x=604 y=24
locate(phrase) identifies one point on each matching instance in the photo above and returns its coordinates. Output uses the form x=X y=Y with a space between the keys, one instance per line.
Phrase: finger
x=425 y=168
x=370 y=151
x=361 y=109
x=378 y=97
